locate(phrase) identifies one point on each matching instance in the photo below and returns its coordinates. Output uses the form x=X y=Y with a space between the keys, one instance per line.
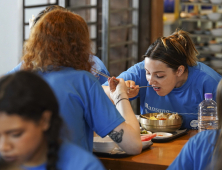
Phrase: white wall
x=10 y=34
x=11 y=30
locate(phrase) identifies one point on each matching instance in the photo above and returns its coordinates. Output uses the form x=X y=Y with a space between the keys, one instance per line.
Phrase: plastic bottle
x=207 y=114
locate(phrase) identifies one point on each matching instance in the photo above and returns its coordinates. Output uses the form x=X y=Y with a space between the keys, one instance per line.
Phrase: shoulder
x=205 y=136
x=15 y=69
x=67 y=74
x=139 y=65
x=203 y=70
x=203 y=143
x=135 y=69
x=99 y=64
x=96 y=59
x=197 y=151
x=71 y=155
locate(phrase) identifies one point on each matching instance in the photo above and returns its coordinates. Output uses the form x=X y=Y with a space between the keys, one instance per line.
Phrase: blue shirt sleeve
x=99 y=65
x=184 y=160
x=104 y=116
x=74 y=157
x=16 y=69
x=197 y=152
x=71 y=156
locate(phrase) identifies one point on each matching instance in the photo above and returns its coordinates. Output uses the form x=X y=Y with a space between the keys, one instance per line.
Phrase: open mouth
x=9 y=159
x=156 y=88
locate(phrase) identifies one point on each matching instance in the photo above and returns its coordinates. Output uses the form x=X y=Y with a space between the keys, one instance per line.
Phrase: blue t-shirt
x=197 y=152
x=84 y=106
x=73 y=157
x=183 y=100
x=98 y=65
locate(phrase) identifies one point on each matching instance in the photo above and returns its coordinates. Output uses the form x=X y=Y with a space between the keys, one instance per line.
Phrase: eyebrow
x=13 y=130
x=156 y=71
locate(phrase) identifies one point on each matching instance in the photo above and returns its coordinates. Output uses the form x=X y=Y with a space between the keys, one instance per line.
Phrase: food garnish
x=161 y=116
x=143 y=132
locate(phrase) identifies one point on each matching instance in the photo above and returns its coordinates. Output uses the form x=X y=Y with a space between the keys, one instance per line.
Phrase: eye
x=16 y=135
x=159 y=76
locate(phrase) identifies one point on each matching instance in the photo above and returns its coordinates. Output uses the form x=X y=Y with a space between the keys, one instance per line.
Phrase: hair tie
x=31 y=21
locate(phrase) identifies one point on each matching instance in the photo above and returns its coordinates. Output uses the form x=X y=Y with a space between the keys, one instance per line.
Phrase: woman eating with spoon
x=178 y=81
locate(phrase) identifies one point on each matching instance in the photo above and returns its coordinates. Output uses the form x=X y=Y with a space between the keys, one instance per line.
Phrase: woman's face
x=20 y=139
x=162 y=78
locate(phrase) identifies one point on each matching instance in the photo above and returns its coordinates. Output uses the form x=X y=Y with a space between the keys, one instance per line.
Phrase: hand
x=133 y=89
x=117 y=89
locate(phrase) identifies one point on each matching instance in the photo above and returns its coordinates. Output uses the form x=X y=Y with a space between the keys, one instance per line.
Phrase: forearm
x=127 y=134
x=131 y=142
x=107 y=91
x=125 y=109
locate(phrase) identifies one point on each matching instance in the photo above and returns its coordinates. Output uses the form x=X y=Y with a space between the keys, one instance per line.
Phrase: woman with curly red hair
x=58 y=49
x=97 y=63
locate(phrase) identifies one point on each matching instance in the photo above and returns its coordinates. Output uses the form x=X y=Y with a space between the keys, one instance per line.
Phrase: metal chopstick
x=104 y=75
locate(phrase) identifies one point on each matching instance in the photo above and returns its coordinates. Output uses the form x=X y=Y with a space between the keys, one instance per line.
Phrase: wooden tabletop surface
x=158 y=157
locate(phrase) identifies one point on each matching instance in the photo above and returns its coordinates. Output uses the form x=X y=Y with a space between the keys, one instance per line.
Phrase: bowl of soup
x=161 y=122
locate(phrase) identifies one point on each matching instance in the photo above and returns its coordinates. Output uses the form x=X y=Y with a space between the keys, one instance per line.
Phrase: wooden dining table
x=158 y=157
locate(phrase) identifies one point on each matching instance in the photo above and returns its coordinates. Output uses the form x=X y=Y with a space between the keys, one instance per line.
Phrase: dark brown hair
x=46 y=10
x=27 y=95
x=59 y=38
x=174 y=50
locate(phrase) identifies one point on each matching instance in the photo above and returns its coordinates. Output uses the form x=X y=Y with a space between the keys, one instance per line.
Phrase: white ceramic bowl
x=138 y=118
x=216 y=32
x=214 y=16
x=105 y=144
x=215 y=47
x=216 y=1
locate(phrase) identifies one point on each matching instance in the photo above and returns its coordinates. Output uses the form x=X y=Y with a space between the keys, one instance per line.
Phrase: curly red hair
x=59 y=38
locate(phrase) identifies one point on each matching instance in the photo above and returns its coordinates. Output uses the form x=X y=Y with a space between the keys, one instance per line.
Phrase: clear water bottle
x=207 y=114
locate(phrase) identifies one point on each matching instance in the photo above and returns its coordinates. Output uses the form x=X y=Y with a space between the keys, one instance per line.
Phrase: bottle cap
x=208 y=96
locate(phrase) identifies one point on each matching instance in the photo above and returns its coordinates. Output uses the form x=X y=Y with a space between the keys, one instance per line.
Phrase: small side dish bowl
x=105 y=144
x=138 y=118
x=169 y=125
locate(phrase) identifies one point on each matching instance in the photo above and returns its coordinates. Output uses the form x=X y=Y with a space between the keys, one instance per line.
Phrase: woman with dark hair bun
x=178 y=81
x=30 y=127
x=96 y=62
x=58 y=50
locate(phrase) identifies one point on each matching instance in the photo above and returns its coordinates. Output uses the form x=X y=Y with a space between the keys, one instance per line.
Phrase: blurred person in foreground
x=30 y=127
x=204 y=150
x=58 y=49
x=9 y=166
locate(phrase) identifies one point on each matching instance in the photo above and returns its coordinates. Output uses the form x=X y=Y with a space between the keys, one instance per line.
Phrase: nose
x=151 y=80
x=4 y=145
